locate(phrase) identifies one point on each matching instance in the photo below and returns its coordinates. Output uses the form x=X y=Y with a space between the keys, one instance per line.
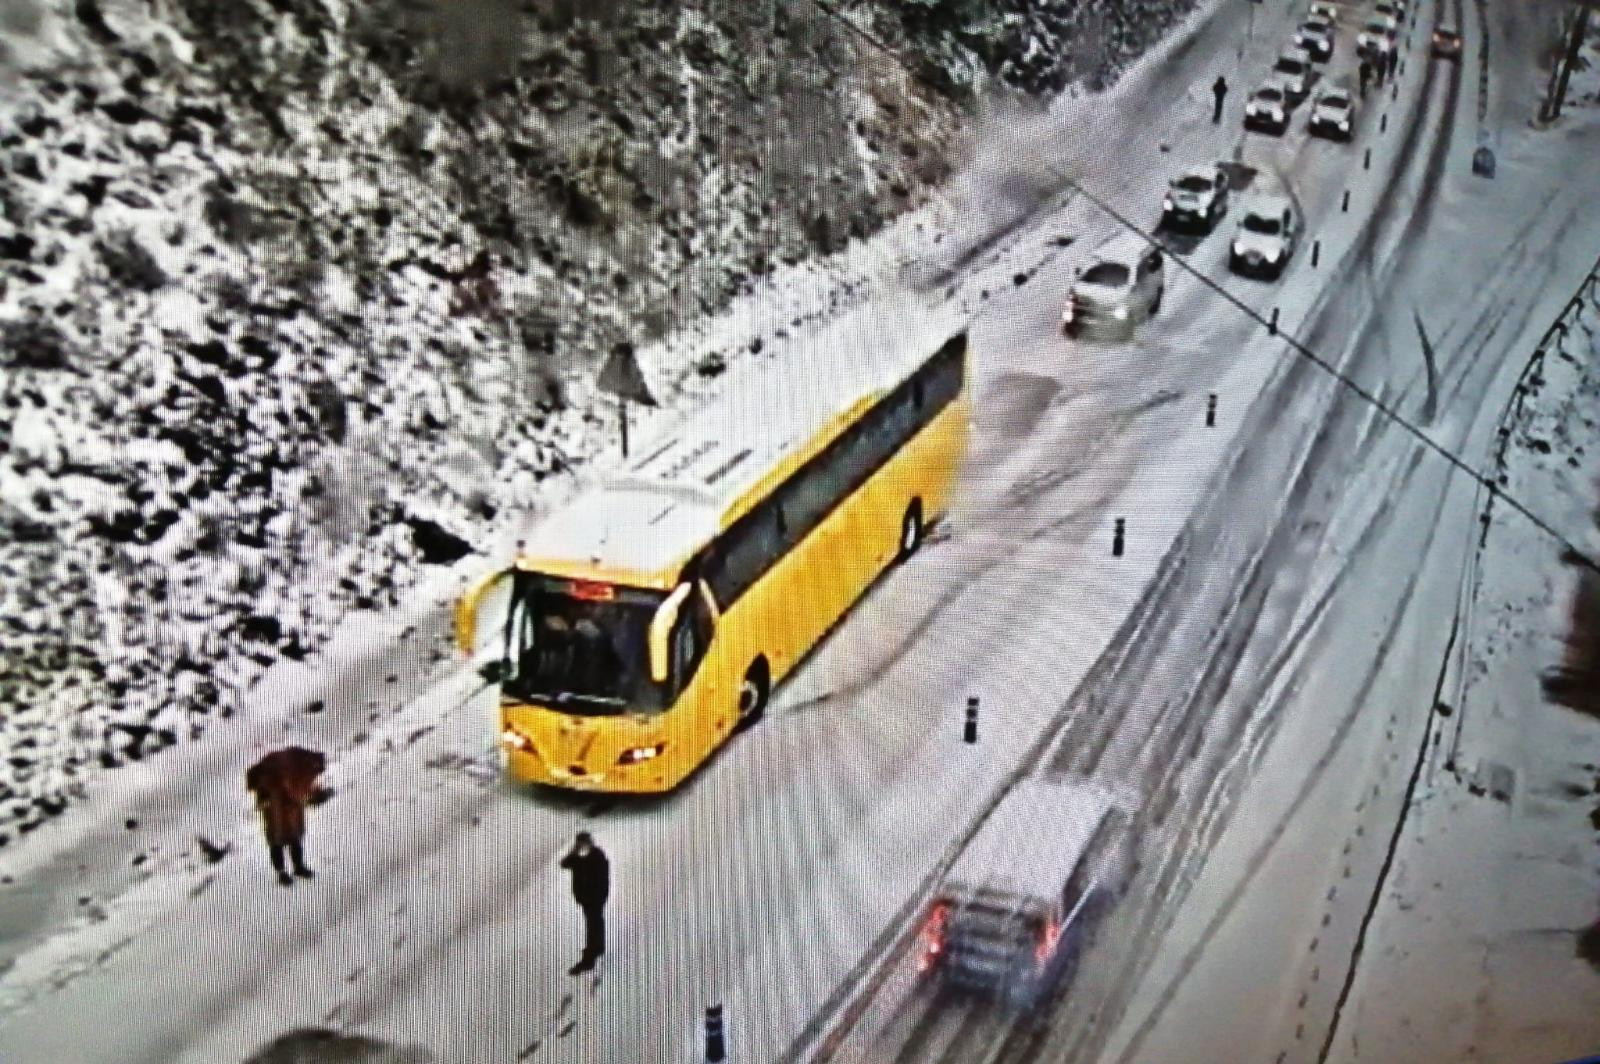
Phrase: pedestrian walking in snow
x=283 y=783
x=1391 y=62
x=591 y=885
x=1366 y=76
x=1219 y=89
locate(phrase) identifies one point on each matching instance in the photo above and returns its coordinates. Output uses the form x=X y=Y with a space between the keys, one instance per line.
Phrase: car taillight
x=933 y=936
x=1048 y=938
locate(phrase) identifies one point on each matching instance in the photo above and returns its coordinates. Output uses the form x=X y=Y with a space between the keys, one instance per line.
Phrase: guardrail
x=1585 y=296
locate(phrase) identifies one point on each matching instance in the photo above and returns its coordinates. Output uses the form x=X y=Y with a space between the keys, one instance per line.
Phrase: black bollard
x=969 y=733
x=716 y=1045
x=1383 y=123
x=1272 y=324
x=1344 y=205
x=1316 y=253
x=1116 y=538
x=1211 y=411
x=1394 y=93
x=1366 y=159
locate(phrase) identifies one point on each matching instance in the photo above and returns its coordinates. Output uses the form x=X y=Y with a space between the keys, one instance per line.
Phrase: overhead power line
x=1488 y=482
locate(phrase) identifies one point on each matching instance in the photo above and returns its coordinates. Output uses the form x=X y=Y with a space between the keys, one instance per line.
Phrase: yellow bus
x=652 y=617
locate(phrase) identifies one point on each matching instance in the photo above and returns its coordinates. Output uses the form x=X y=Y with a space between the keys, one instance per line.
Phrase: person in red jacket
x=283 y=783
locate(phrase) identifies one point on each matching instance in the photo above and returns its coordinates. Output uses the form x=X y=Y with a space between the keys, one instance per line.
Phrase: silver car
x=1122 y=287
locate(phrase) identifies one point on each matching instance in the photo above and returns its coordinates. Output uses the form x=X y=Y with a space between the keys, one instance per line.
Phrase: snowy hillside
x=298 y=302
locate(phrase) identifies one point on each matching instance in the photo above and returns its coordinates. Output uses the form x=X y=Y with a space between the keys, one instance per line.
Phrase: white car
x=1122 y=287
x=1315 y=38
x=1268 y=109
x=1294 y=75
x=1266 y=237
x=1196 y=198
x=1325 y=13
x=1333 y=115
x=1395 y=13
x=1376 y=39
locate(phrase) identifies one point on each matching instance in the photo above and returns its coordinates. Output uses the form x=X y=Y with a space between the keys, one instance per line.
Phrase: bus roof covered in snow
x=1031 y=841
x=699 y=473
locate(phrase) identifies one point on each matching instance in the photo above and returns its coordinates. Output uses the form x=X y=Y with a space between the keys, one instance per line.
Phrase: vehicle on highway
x=1294 y=76
x=1376 y=40
x=1122 y=287
x=1395 y=13
x=651 y=617
x=1324 y=12
x=1446 y=43
x=1268 y=110
x=1196 y=199
x=1265 y=240
x=1012 y=913
x=1315 y=39
x=1333 y=114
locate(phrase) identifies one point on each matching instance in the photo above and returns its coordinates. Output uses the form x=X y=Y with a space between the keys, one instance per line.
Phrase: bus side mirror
x=494 y=672
x=467 y=612
x=660 y=628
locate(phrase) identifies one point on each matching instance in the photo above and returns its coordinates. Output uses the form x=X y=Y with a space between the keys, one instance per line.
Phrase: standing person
x=1219 y=90
x=591 y=885
x=1366 y=76
x=283 y=783
x=1391 y=61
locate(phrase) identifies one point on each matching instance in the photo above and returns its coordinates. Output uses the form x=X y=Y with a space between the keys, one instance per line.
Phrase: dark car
x=1446 y=43
x=1315 y=39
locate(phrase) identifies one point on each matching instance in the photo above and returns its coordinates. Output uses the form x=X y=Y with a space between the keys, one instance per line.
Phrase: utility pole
x=1563 y=73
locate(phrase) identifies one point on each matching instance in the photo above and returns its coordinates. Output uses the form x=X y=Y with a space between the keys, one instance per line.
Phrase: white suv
x=1196 y=198
x=1376 y=39
x=1266 y=237
x=1268 y=109
x=1294 y=75
x=1333 y=115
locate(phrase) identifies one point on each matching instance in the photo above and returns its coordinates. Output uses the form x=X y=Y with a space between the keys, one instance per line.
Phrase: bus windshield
x=581 y=647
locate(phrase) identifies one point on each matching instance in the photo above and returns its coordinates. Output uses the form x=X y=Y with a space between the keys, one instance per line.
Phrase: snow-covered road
x=786 y=871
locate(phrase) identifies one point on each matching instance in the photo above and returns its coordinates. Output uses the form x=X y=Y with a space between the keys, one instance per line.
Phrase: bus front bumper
x=650 y=777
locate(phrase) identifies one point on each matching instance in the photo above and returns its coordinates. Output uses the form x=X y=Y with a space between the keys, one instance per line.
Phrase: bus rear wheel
x=754 y=693
x=911 y=530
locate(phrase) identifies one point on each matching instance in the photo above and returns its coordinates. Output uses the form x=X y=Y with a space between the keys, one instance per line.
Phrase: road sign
x=621 y=376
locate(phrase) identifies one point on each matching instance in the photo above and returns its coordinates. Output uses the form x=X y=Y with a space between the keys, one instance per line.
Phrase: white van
x=1013 y=910
x=1269 y=229
x=1121 y=288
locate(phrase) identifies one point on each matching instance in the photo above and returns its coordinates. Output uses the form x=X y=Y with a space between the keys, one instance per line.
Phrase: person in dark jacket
x=591 y=885
x=1219 y=89
x=1366 y=76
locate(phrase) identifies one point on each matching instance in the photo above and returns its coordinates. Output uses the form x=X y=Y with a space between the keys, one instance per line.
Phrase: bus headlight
x=635 y=754
x=515 y=740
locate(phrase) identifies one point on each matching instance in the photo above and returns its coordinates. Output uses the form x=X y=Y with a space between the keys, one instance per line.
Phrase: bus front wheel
x=753 y=693
x=911 y=530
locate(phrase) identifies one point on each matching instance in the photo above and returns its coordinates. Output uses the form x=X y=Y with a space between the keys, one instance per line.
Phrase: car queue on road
x=1270 y=225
